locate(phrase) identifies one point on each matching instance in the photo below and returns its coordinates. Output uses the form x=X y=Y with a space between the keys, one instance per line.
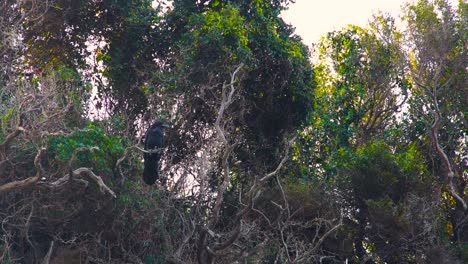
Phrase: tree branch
x=28 y=181
x=10 y=137
x=445 y=159
x=84 y=172
x=46 y=259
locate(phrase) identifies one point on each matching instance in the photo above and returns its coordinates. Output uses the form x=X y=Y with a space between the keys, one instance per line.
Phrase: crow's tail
x=150 y=173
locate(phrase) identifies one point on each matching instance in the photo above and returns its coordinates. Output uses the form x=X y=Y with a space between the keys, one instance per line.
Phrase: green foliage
x=374 y=173
x=218 y=40
x=356 y=71
x=108 y=148
x=360 y=89
x=387 y=188
x=437 y=32
x=150 y=259
x=227 y=24
x=208 y=41
x=412 y=161
x=363 y=114
x=6 y=117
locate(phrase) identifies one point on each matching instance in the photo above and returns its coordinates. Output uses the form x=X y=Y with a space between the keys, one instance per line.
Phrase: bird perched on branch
x=154 y=139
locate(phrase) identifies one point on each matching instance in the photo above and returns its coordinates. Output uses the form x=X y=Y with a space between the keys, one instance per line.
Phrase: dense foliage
x=357 y=154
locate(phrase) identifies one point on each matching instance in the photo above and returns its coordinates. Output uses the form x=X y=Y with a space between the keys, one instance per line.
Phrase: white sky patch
x=314 y=18
x=93 y=44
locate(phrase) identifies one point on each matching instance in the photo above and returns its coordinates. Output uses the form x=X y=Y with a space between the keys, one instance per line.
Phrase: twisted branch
x=445 y=159
x=16 y=185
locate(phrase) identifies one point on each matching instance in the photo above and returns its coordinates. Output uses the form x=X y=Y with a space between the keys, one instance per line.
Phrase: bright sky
x=314 y=18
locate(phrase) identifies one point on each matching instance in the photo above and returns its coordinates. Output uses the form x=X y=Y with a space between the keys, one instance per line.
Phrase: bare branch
x=121 y=159
x=27 y=225
x=78 y=150
x=226 y=102
x=46 y=259
x=445 y=159
x=10 y=137
x=328 y=233
x=149 y=151
x=280 y=165
x=234 y=236
x=83 y=172
x=16 y=185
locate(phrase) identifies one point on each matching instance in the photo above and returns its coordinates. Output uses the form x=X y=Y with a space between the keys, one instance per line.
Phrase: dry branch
x=46 y=259
x=83 y=172
x=10 y=137
x=445 y=159
x=16 y=185
x=227 y=99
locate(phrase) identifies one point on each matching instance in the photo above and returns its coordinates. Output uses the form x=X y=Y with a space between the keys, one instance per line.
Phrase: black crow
x=154 y=139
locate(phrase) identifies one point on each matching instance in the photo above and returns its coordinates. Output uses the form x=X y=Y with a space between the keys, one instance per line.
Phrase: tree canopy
x=353 y=151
